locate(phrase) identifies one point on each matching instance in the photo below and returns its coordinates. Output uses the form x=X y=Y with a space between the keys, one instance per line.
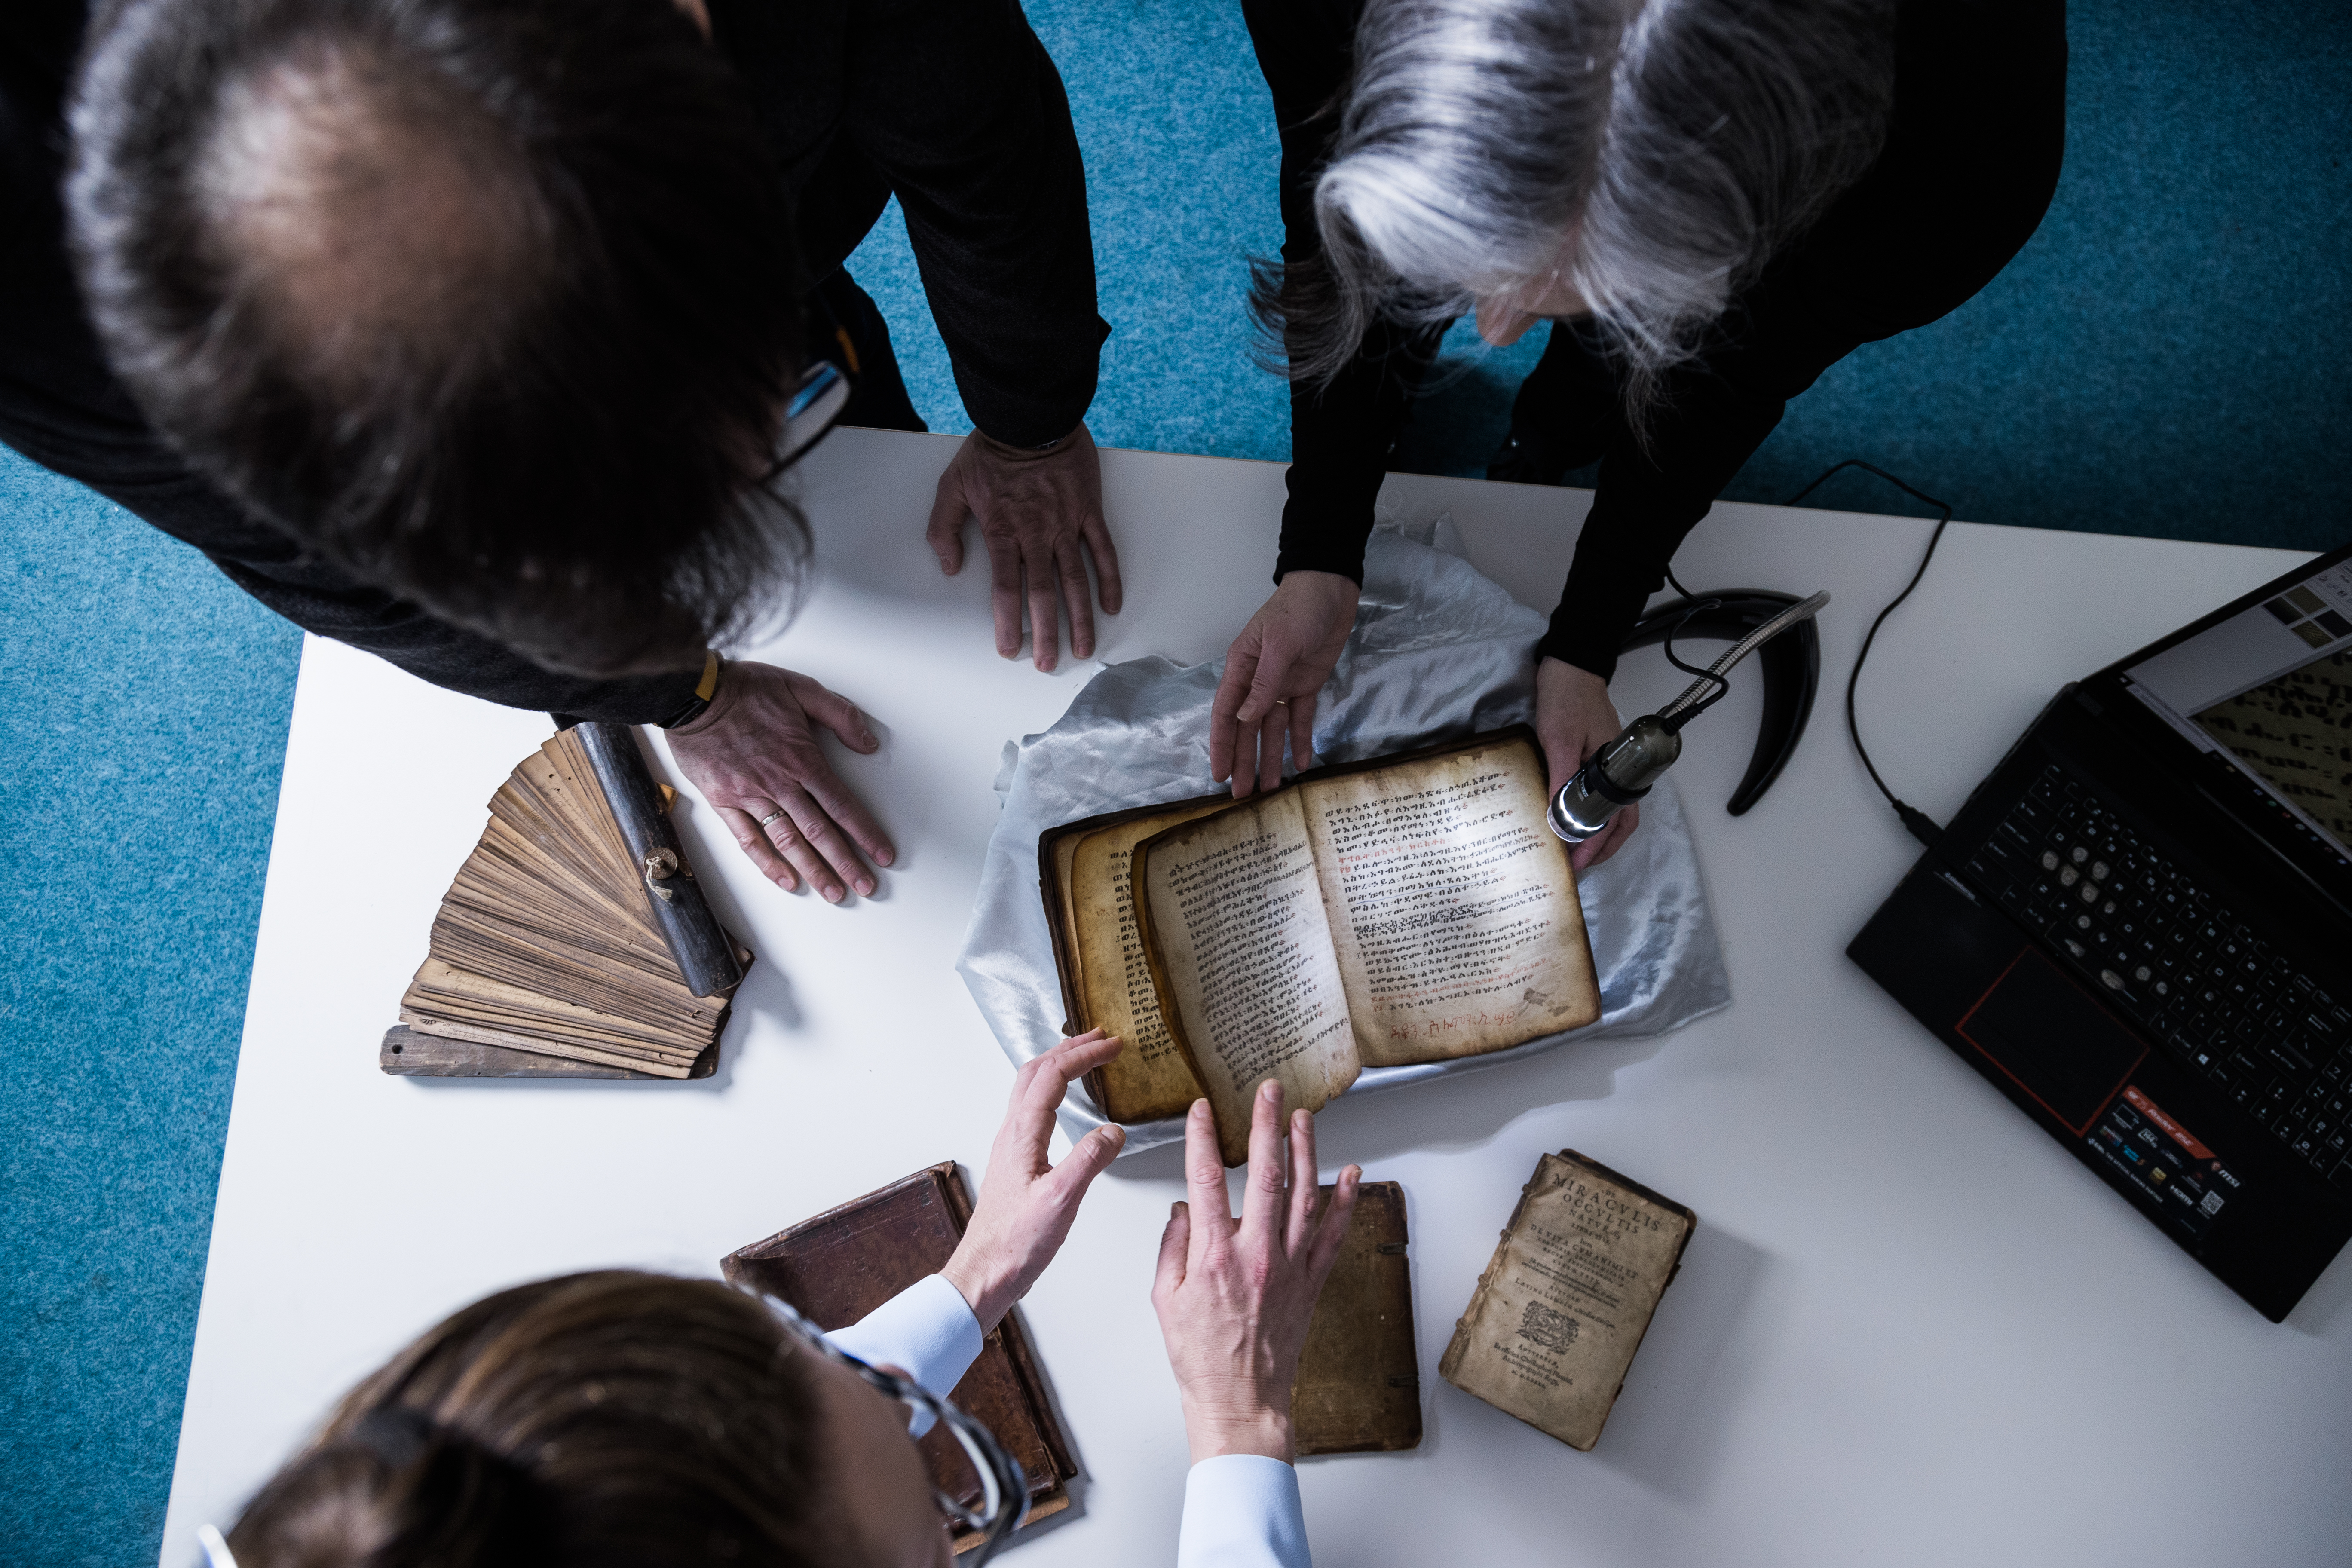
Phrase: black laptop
x=2139 y=930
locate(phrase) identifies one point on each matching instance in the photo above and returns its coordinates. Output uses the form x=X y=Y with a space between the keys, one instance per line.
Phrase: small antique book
x=1359 y=1384
x=575 y=935
x=1559 y=1313
x=1410 y=908
x=840 y=1266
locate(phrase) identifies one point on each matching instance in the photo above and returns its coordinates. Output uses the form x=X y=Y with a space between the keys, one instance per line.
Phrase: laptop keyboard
x=2178 y=963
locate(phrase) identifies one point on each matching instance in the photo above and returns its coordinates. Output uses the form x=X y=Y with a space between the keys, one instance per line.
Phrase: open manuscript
x=1412 y=909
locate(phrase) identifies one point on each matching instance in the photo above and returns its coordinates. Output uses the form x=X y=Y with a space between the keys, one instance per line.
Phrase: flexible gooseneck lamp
x=1623 y=771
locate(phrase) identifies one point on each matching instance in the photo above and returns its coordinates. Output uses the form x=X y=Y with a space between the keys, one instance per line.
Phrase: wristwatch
x=704 y=690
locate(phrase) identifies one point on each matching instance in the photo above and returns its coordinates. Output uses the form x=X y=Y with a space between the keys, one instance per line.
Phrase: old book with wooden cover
x=1559 y=1313
x=575 y=935
x=1410 y=908
x=849 y=1260
x=1359 y=1384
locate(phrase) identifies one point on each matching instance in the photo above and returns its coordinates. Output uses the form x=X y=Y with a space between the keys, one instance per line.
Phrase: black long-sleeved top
x=953 y=104
x=1971 y=162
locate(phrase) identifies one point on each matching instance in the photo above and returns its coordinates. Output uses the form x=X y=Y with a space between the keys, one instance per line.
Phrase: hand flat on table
x=754 y=753
x=1040 y=515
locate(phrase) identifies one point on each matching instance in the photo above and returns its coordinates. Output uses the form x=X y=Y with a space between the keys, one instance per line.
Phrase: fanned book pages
x=1410 y=908
x=570 y=931
x=1560 y=1312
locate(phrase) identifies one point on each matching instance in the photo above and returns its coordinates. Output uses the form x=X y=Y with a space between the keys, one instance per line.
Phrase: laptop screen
x=2269 y=691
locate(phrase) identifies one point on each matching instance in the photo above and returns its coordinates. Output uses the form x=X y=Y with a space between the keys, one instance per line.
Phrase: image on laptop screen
x=2270 y=690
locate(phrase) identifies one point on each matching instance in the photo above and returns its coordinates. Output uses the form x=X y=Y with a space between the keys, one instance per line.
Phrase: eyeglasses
x=815 y=404
x=996 y=1475
x=1003 y=1489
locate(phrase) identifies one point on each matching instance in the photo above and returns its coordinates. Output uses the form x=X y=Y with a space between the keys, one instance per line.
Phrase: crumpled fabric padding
x=1439 y=650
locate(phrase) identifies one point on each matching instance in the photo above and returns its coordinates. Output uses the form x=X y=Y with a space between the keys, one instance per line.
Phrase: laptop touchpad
x=2046 y=1033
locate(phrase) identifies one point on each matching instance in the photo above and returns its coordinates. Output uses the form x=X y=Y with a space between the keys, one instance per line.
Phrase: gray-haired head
x=1652 y=155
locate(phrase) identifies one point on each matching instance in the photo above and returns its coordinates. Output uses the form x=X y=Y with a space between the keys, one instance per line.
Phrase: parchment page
x=1452 y=910
x=1149 y=1079
x=1066 y=915
x=1562 y=1307
x=1246 y=960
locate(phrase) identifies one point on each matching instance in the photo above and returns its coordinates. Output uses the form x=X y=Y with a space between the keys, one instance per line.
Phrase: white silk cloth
x=1439 y=651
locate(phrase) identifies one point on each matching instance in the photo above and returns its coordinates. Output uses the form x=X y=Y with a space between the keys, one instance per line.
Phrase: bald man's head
x=370 y=213
x=494 y=301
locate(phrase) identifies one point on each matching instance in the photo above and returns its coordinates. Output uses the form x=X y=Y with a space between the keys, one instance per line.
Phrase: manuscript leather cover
x=1560 y=1312
x=1358 y=1387
x=841 y=1265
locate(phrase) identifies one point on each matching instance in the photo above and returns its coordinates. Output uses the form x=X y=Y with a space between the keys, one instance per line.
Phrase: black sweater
x=951 y=103
x=1971 y=162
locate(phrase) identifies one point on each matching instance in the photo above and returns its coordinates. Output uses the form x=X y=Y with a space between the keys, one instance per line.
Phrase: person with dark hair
x=640 y=1420
x=1713 y=201
x=478 y=334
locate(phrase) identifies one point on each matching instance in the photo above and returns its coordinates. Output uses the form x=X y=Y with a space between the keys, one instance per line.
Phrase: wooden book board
x=840 y=1266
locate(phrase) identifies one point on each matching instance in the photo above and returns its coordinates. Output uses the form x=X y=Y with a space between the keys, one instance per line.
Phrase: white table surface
x=1910 y=1330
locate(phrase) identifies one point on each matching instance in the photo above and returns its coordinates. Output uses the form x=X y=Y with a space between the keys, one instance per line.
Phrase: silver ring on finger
x=771 y=817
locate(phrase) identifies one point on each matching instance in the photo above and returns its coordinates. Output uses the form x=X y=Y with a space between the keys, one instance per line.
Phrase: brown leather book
x=1409 y=909
x=1562 y=1307
x=575 y=942
x=1359 y=1386
x=849 y=1260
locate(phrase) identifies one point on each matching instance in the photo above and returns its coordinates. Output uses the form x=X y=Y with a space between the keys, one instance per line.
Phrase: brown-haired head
x=611 y=1418
x=495 y=304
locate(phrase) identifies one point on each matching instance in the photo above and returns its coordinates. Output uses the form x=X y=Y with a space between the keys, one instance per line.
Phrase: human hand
x=1272 y=673
x=1026 y=1204
x=1233 y=1300
x=754 y=752
x=1574 y=719
x=1037 y=510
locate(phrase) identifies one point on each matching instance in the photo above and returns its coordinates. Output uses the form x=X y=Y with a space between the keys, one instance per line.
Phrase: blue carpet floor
x=2160 y=360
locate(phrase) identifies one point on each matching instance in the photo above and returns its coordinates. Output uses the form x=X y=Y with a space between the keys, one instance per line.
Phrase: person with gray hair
x=1713 y=201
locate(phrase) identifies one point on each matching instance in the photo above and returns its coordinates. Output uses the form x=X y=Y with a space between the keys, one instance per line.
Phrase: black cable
x=1921 y=825
x=1699 y=607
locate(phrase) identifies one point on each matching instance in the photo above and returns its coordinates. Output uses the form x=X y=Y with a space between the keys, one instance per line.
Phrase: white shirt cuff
x=1241 y=1510
x=926 y=1330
